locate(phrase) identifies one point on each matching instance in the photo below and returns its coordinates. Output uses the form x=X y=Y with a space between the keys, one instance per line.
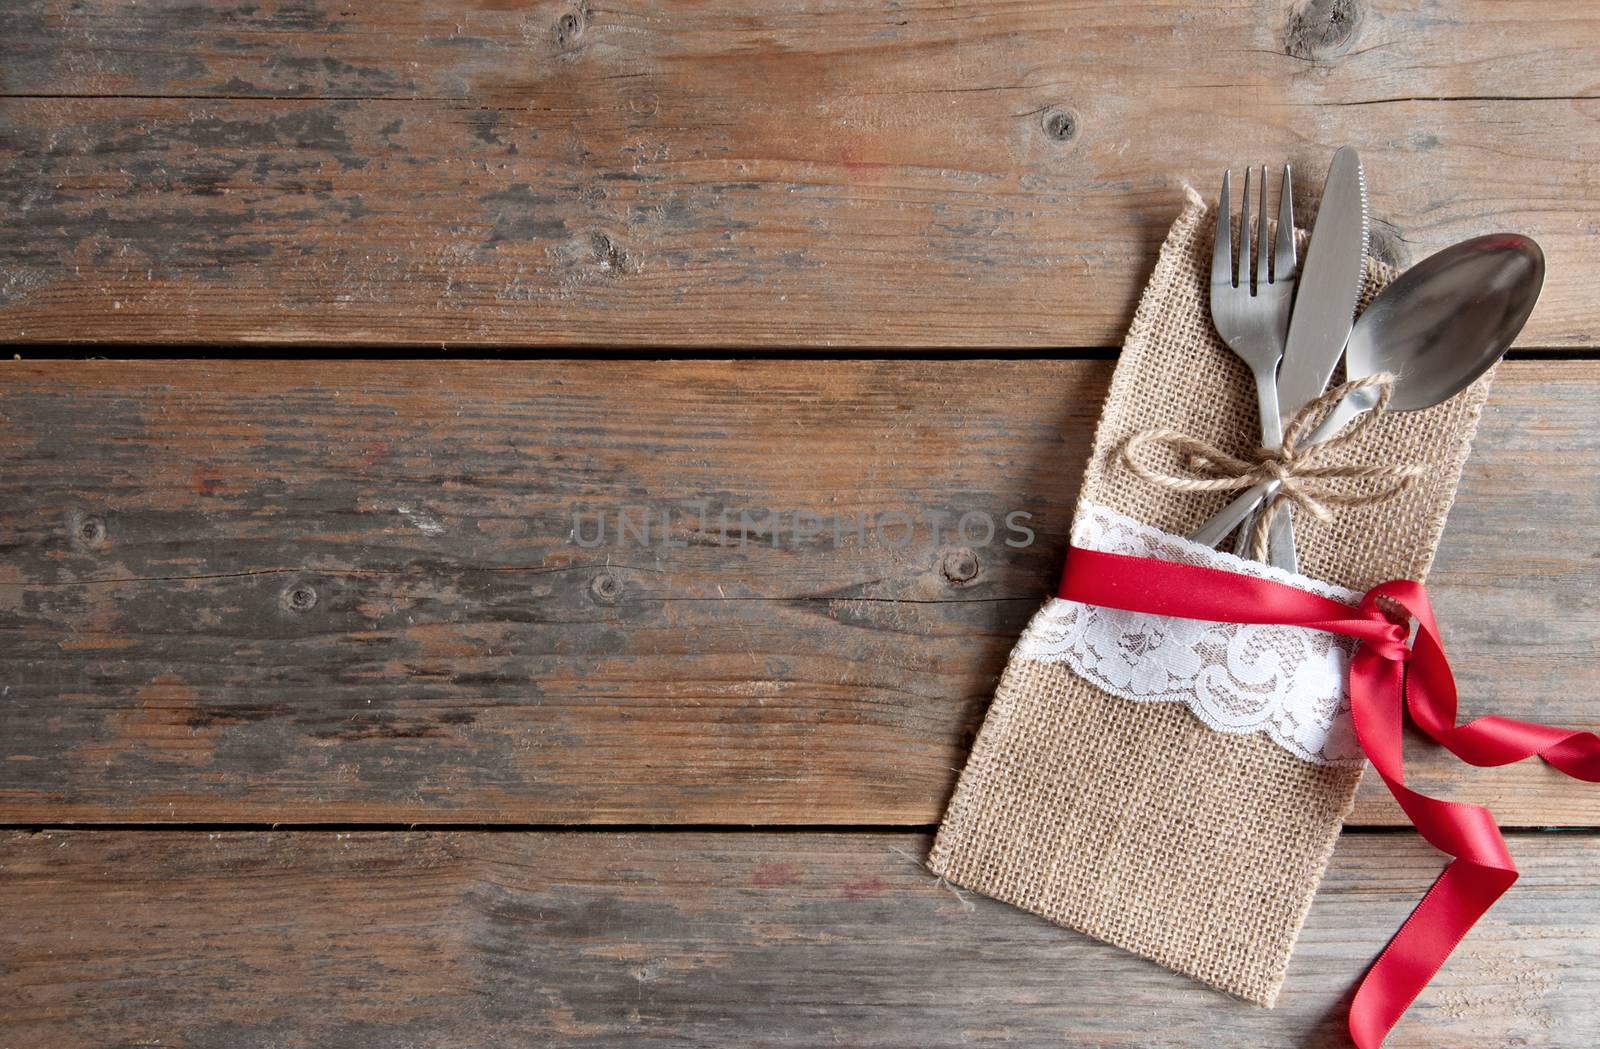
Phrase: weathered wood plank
x=351 y=592
x=788 y=172
x=454 y=651
x=241 y=940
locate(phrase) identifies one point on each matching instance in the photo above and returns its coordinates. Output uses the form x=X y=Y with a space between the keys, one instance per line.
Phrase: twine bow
x=1309 y=473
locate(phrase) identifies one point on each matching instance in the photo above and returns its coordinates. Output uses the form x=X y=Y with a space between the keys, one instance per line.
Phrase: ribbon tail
x=1478 y=876
x=1487 y=741
x=1459 y=897
x=1482 y=868
x=1491 y=741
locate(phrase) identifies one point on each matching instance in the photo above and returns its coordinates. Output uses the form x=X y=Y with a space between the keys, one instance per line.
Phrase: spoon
x=1440 y=325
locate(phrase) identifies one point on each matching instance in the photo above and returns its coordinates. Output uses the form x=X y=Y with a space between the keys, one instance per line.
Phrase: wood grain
x=777 y=173
x=330 y=592
x=368 y=940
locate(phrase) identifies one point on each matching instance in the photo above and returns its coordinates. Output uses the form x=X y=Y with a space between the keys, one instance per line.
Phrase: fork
x=1252 y=316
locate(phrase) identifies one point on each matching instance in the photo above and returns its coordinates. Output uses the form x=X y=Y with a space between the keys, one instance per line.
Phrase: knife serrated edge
x=1366 y=237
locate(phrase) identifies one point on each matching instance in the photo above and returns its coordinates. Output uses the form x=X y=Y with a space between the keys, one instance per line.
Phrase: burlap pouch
x=1137 y=823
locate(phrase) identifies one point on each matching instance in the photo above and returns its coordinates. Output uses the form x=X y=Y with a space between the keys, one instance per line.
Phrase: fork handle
x=1280 y=533
x=1271 y=437
x=1267 y=400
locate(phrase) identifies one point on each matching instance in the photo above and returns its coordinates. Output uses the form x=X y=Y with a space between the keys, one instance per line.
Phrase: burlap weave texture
x=1134 y=822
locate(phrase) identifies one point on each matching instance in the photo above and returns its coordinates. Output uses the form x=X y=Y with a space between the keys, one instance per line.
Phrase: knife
x=1324 y=307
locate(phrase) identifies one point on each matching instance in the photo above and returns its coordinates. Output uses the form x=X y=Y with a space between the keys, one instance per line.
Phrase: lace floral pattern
x=1287 y=682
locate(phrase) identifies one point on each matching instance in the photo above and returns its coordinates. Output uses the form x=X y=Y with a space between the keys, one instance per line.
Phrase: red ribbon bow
x=1388 y=675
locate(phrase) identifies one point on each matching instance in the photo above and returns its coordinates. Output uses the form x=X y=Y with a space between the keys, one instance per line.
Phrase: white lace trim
x=1287 y=682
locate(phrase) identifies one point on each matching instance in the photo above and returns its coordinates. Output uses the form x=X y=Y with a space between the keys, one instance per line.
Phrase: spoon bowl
x=1448 y=319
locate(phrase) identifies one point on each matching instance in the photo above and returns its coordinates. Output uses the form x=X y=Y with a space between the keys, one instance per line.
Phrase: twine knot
x=1309 y=473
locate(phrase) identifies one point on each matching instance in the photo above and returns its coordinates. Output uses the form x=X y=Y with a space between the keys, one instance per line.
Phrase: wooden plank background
x=367 y=941
x=736 y=173
x=462 y=659
x=347 y=596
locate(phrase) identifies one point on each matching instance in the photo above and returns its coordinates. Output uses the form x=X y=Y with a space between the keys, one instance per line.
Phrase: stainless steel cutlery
x=1438 y=327
x=1251 y=310
x=1324 y=310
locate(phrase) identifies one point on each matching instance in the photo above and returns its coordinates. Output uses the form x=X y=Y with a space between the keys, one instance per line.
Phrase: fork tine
x=1222 y=250
x=1244 y=234
x=1263 y=253
x=1284 y=264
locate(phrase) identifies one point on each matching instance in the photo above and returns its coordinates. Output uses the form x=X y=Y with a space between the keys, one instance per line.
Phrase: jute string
x=1309 y=473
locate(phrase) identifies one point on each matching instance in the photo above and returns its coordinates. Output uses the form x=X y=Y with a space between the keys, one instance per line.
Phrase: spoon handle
x=1227 y=519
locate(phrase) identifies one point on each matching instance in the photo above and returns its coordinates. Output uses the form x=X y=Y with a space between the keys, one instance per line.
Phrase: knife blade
x=1324 y=309
x=1330 y=281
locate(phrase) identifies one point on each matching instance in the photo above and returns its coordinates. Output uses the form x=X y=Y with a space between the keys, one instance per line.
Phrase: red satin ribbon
x=1387 y=676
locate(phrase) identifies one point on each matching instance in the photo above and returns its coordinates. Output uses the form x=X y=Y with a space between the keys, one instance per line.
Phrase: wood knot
x=1321 y=29
x=569 y=28
x=960 y=566
x=300 y=597
x=88 y=531
x=605 y=588
x=1060 y=125
x=611 y=259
